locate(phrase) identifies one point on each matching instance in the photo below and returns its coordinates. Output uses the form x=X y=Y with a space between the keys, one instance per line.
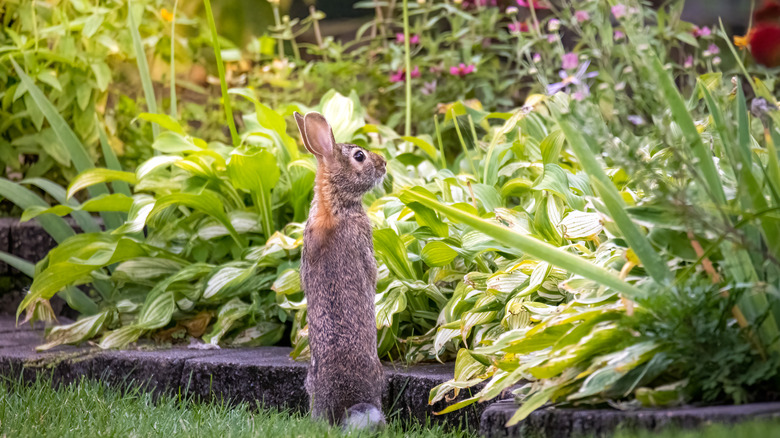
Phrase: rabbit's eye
x=359 y=156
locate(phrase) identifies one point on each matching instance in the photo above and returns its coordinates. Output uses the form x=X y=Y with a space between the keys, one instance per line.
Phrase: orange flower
x=741 y=42
x=166 y=15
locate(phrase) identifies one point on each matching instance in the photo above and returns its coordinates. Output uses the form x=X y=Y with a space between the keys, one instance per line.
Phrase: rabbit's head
x=347 y=170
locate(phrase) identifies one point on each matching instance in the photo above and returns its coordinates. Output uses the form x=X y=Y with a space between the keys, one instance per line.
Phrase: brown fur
x=338 y=274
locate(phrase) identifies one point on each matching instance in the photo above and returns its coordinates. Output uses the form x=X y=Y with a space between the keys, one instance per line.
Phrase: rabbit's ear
x=302 y=130
x=317 y=135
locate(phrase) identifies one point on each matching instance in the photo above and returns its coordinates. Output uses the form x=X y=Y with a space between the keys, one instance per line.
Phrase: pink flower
x=518 y=27
x=537 y=57
x=713 y=49
x=553 y=37
x=582 y=16
x=619 y=35
x=537 y=4
x=400 y=75
x=462 y=69
x=688 y=62
x=414 y=39
x=428 y=88
x=701 y=32
x=570 y=61
x=619 y=10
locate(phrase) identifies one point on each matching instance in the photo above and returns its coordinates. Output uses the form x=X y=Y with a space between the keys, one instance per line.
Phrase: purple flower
x=413 y=39
x=582 y=16
x=570 y=61
x=713 y=49
x=688 y=62
x=518 y=27
x=553 y=37
x=462 y=69
x=619 y=10
x=701 y=31
x=553 y=25
x=537 y=58
x=619 y=35
x=636 y=120
x=581 y=88
x=428 y=88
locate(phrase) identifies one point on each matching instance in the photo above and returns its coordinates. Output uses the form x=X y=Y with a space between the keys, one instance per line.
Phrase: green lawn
x=92 y=409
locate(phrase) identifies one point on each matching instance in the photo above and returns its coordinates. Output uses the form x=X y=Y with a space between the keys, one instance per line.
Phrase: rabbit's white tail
x=363 y=416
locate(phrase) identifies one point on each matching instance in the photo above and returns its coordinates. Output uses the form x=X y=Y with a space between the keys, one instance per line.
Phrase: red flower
x=764 y=38
x=462 y=69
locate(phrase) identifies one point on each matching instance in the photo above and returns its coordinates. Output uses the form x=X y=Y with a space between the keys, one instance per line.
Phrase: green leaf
x=20 y=264
x=57 y=228
x=533 y=247
x=423 y=144
x=536 y=401
x=165 y=121
x=437 y=254
x=98 y=175
x=611 y=198
x=426 y=217
x=143 y=66
x=207 y=202
x=392 y=251
x=258 y=172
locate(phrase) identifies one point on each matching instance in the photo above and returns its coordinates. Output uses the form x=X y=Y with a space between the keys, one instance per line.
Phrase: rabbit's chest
x=343 y=261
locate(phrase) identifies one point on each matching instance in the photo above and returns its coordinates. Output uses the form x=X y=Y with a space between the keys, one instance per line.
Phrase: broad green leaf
x=424 y=144
x=288 y=282
x=173 y=142
x=79 y=331
x=437 y=253
x=98 y=176
x=257 y=172
x=165 y=121
x=392 y=252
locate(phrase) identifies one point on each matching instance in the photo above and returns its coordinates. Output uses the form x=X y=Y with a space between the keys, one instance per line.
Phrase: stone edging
x=265 y=374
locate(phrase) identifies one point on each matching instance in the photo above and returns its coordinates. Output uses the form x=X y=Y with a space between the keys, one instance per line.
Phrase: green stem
x=441 y=144
x=278 y=22
x=174 y=109
x=463 y=143
x=221 y=69
x=408 y=66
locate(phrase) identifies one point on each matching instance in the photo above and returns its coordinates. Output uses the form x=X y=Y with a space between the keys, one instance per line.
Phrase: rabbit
x=338 y=274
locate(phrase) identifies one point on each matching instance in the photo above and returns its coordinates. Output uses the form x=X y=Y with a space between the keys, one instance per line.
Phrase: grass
x=91 y=408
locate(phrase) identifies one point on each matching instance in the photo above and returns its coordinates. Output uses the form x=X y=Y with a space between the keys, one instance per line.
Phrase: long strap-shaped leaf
x=57 y=228
x=638 y=242
x=143 y=66
x=529 y=245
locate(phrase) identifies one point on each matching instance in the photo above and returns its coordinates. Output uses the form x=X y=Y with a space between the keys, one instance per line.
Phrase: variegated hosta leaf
x=144 y=270
x=228 y=275
x=388 y=303
x=517 y=221
x=229 y=313
x=608 y=369
x=157 y=311
x=443 y=336
x=136 y=217
x=154 y=163
x=581 y=225
x=288 y=282
x=242 y=221
x=79 y=331
x=535 y=280
x=120 y=337
x=437 y=253
x=264 y=333
x=505 y=282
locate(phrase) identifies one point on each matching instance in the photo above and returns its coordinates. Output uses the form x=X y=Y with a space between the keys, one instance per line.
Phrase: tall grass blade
x=638 y=242
x=57 y=228
x=684 y=120
x=22 y=265
x=143 y=66
x=221 y=69
x=174 y=108
x=82 y=218
x=529 y=245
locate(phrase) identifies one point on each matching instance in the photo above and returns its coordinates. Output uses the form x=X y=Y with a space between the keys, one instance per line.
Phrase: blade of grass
x=143 y=66
x=221 y=69
x=57 y=228
x=638 y=242
x=174 y=109
x=22 y=265
x=742 y=160
x=112 y=162
x=82 y=218
x=408 y=71
x=529 y=245
x=684 y=120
